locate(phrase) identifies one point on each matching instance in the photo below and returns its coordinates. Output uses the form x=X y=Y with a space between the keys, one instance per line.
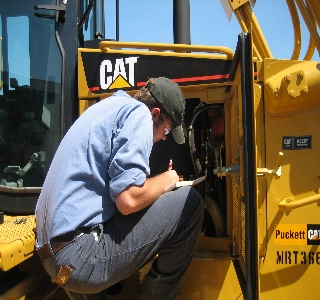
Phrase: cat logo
x=287 y=141
x=117 y=74
x=314 y=234
x=313 y=231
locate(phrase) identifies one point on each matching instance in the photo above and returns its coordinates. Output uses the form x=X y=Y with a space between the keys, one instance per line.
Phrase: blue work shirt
x=105 y=151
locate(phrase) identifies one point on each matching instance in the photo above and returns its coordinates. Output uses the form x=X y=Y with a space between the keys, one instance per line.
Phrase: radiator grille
x=236 y=143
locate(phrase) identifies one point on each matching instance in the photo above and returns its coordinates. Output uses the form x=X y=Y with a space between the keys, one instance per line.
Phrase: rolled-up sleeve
x=131 y=148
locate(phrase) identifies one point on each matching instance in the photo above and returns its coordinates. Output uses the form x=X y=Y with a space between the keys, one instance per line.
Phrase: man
x=100 y=217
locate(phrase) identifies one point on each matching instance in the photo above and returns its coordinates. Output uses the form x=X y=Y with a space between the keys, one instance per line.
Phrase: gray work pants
x=113 y=251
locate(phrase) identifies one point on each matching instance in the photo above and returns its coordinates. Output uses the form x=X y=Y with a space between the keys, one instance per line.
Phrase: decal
x=107 y=72
x=290 y=234
x=313 y=234
x=297 y=257
x=297 y=234
x=296 y=142
x=118 y=74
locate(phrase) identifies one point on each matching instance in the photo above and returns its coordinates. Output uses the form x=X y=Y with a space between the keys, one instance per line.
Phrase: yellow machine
x=253 y=130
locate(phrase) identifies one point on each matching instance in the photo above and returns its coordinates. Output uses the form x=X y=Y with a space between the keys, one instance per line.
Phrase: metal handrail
x=258 y=35
x=297 y=29
x=312 y=45
x=107 y=45
x=244 y=28
x=247 y=19
x=315 y=9
x=310 y=23
x=290 y=203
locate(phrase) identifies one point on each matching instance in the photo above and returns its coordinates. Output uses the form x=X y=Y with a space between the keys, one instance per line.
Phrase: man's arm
x=135 y=198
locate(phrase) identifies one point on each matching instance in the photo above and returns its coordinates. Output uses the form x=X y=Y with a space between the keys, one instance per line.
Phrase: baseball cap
x=170 y=96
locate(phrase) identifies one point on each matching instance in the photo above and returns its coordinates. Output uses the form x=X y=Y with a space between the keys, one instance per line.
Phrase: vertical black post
x=181 y=22
x=117 y=20
x=99 y=19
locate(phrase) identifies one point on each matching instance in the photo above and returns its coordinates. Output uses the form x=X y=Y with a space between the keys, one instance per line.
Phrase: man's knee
x=193 y=197
x=193 y=201
x=185 y=199
x=193 y=194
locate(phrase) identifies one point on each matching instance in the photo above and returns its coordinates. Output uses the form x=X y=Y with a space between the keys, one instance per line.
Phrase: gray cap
x=170 y=96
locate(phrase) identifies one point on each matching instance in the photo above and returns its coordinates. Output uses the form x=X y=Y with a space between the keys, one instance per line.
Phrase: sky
x=151 y=21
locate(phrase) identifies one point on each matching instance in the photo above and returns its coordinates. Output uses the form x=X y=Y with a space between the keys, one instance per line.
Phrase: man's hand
x=135 y=198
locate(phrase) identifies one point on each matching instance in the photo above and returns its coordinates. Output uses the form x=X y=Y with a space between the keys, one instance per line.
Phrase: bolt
x=305 y=89
x=291 y=93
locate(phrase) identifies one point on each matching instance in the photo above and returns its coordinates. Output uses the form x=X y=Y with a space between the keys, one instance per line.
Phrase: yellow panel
x=84 y=104
x=291 y=86
x=290 y=268
x=83 y=90
x=210 y=279
x=206 y=279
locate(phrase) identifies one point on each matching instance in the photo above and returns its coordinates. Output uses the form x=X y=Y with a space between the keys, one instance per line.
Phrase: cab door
x=37 y=94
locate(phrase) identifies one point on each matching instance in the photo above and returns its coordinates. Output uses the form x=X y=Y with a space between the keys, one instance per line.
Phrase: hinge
x=61 y=9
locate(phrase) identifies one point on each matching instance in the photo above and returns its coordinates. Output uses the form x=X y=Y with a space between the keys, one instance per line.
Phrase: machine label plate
x=297 y=142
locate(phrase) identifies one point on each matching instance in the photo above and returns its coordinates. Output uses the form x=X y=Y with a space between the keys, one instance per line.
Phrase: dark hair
x=144 y=96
